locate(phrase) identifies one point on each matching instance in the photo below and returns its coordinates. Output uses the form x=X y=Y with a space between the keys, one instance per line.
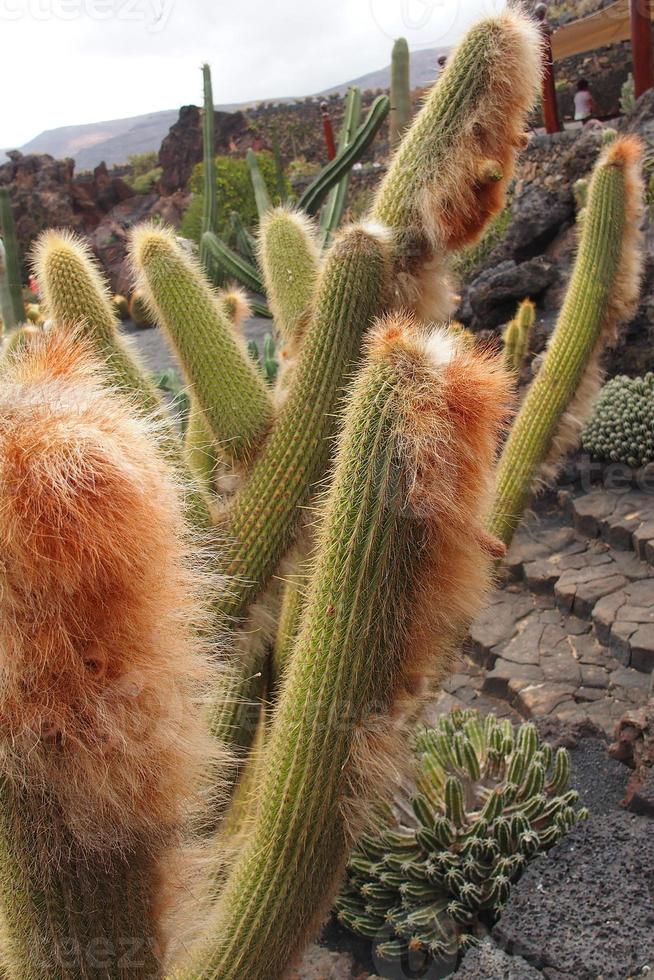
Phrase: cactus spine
x=400 y=114
x=289 y=260
x=381 y=526
x=602 y=294
x=12 y=275
x=210 y=205
x=228 y=390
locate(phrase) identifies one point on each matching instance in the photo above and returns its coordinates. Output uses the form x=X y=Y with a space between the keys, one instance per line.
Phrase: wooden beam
x=641 y=45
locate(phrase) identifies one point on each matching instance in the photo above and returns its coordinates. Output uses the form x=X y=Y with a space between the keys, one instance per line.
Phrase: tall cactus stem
x=261 y=195
x=227 y=388
x=11 y=259
x=261 y=522
x=334 y=207
x=209 y=201
x=402 y=522
x=289 y=258
x=602 y=294
x=400 y=114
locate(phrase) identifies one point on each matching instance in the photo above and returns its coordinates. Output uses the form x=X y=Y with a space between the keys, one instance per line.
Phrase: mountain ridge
x=114 y=140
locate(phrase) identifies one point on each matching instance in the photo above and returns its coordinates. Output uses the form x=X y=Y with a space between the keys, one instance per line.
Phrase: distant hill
x=114 y=140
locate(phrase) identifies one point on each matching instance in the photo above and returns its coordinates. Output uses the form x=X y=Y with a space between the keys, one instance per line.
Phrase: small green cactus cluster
x=621 y=428
x=488 y=798
x=517 y=335
x=120 y=306
x=139 y=311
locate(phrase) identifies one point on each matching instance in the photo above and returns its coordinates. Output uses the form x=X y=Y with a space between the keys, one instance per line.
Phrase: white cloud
x=67 y=62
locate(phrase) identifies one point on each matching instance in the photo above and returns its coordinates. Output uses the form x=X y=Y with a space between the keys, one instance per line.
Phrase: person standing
x=584 y=102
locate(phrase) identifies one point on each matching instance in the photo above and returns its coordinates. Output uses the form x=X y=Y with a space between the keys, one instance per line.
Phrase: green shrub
x=234 y=193
x=142 y=163
x=144 y=183
x=621 y=429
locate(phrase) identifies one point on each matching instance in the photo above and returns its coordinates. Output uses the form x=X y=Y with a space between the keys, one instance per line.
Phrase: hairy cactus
x=602 y=294
x=487 y=799
x=10 y=278
x=102 y=745
x=621 y=428
x=381 y=437
x=450 y=173
x=289 y=260
x=393 y=521
x=400 y=114
x=209 y=202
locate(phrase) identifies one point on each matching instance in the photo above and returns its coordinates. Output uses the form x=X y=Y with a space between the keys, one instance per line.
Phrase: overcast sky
x=66 y=62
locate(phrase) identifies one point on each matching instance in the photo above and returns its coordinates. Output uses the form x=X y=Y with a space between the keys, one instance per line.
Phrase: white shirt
x=583 y=105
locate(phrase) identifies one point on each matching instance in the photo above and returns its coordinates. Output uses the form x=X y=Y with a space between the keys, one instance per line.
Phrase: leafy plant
x=234 y=192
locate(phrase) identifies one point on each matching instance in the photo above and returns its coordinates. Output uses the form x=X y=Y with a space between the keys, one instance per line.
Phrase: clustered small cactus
x=487 y=799
x=517 y=335
x=621 y=428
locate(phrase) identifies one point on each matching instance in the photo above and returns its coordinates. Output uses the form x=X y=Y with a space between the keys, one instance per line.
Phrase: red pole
x=550 y=105
x=329 y=131
x=641 y=45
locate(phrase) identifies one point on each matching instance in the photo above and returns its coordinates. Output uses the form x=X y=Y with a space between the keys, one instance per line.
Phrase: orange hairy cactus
x=101 y=667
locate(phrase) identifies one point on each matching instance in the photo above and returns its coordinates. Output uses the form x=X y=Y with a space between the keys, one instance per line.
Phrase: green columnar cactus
x=404 y=458
x=449 y=176
x=261 y=195
x=76 y=296
x=602 y=294
x=6 y=305
x=261 y=522
x=120 y=306
x=11 y=261
x=517 y=336
x=102 y=743
x=209 y=205
x=289 y=258
x=228 y=390
x=334 y=207
x=400 y=114
x=621 y=428
x=487 y=800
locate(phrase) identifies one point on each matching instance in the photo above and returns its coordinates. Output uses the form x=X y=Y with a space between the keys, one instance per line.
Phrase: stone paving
x=570 y=633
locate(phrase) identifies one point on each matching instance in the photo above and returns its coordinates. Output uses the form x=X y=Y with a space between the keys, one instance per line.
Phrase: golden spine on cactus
x=289 y=257
x=401 y=548
x=449 y=175
x=261 y=522
x=102 y=743
x=227 y=388
x=75 y=296
x=602 y=294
